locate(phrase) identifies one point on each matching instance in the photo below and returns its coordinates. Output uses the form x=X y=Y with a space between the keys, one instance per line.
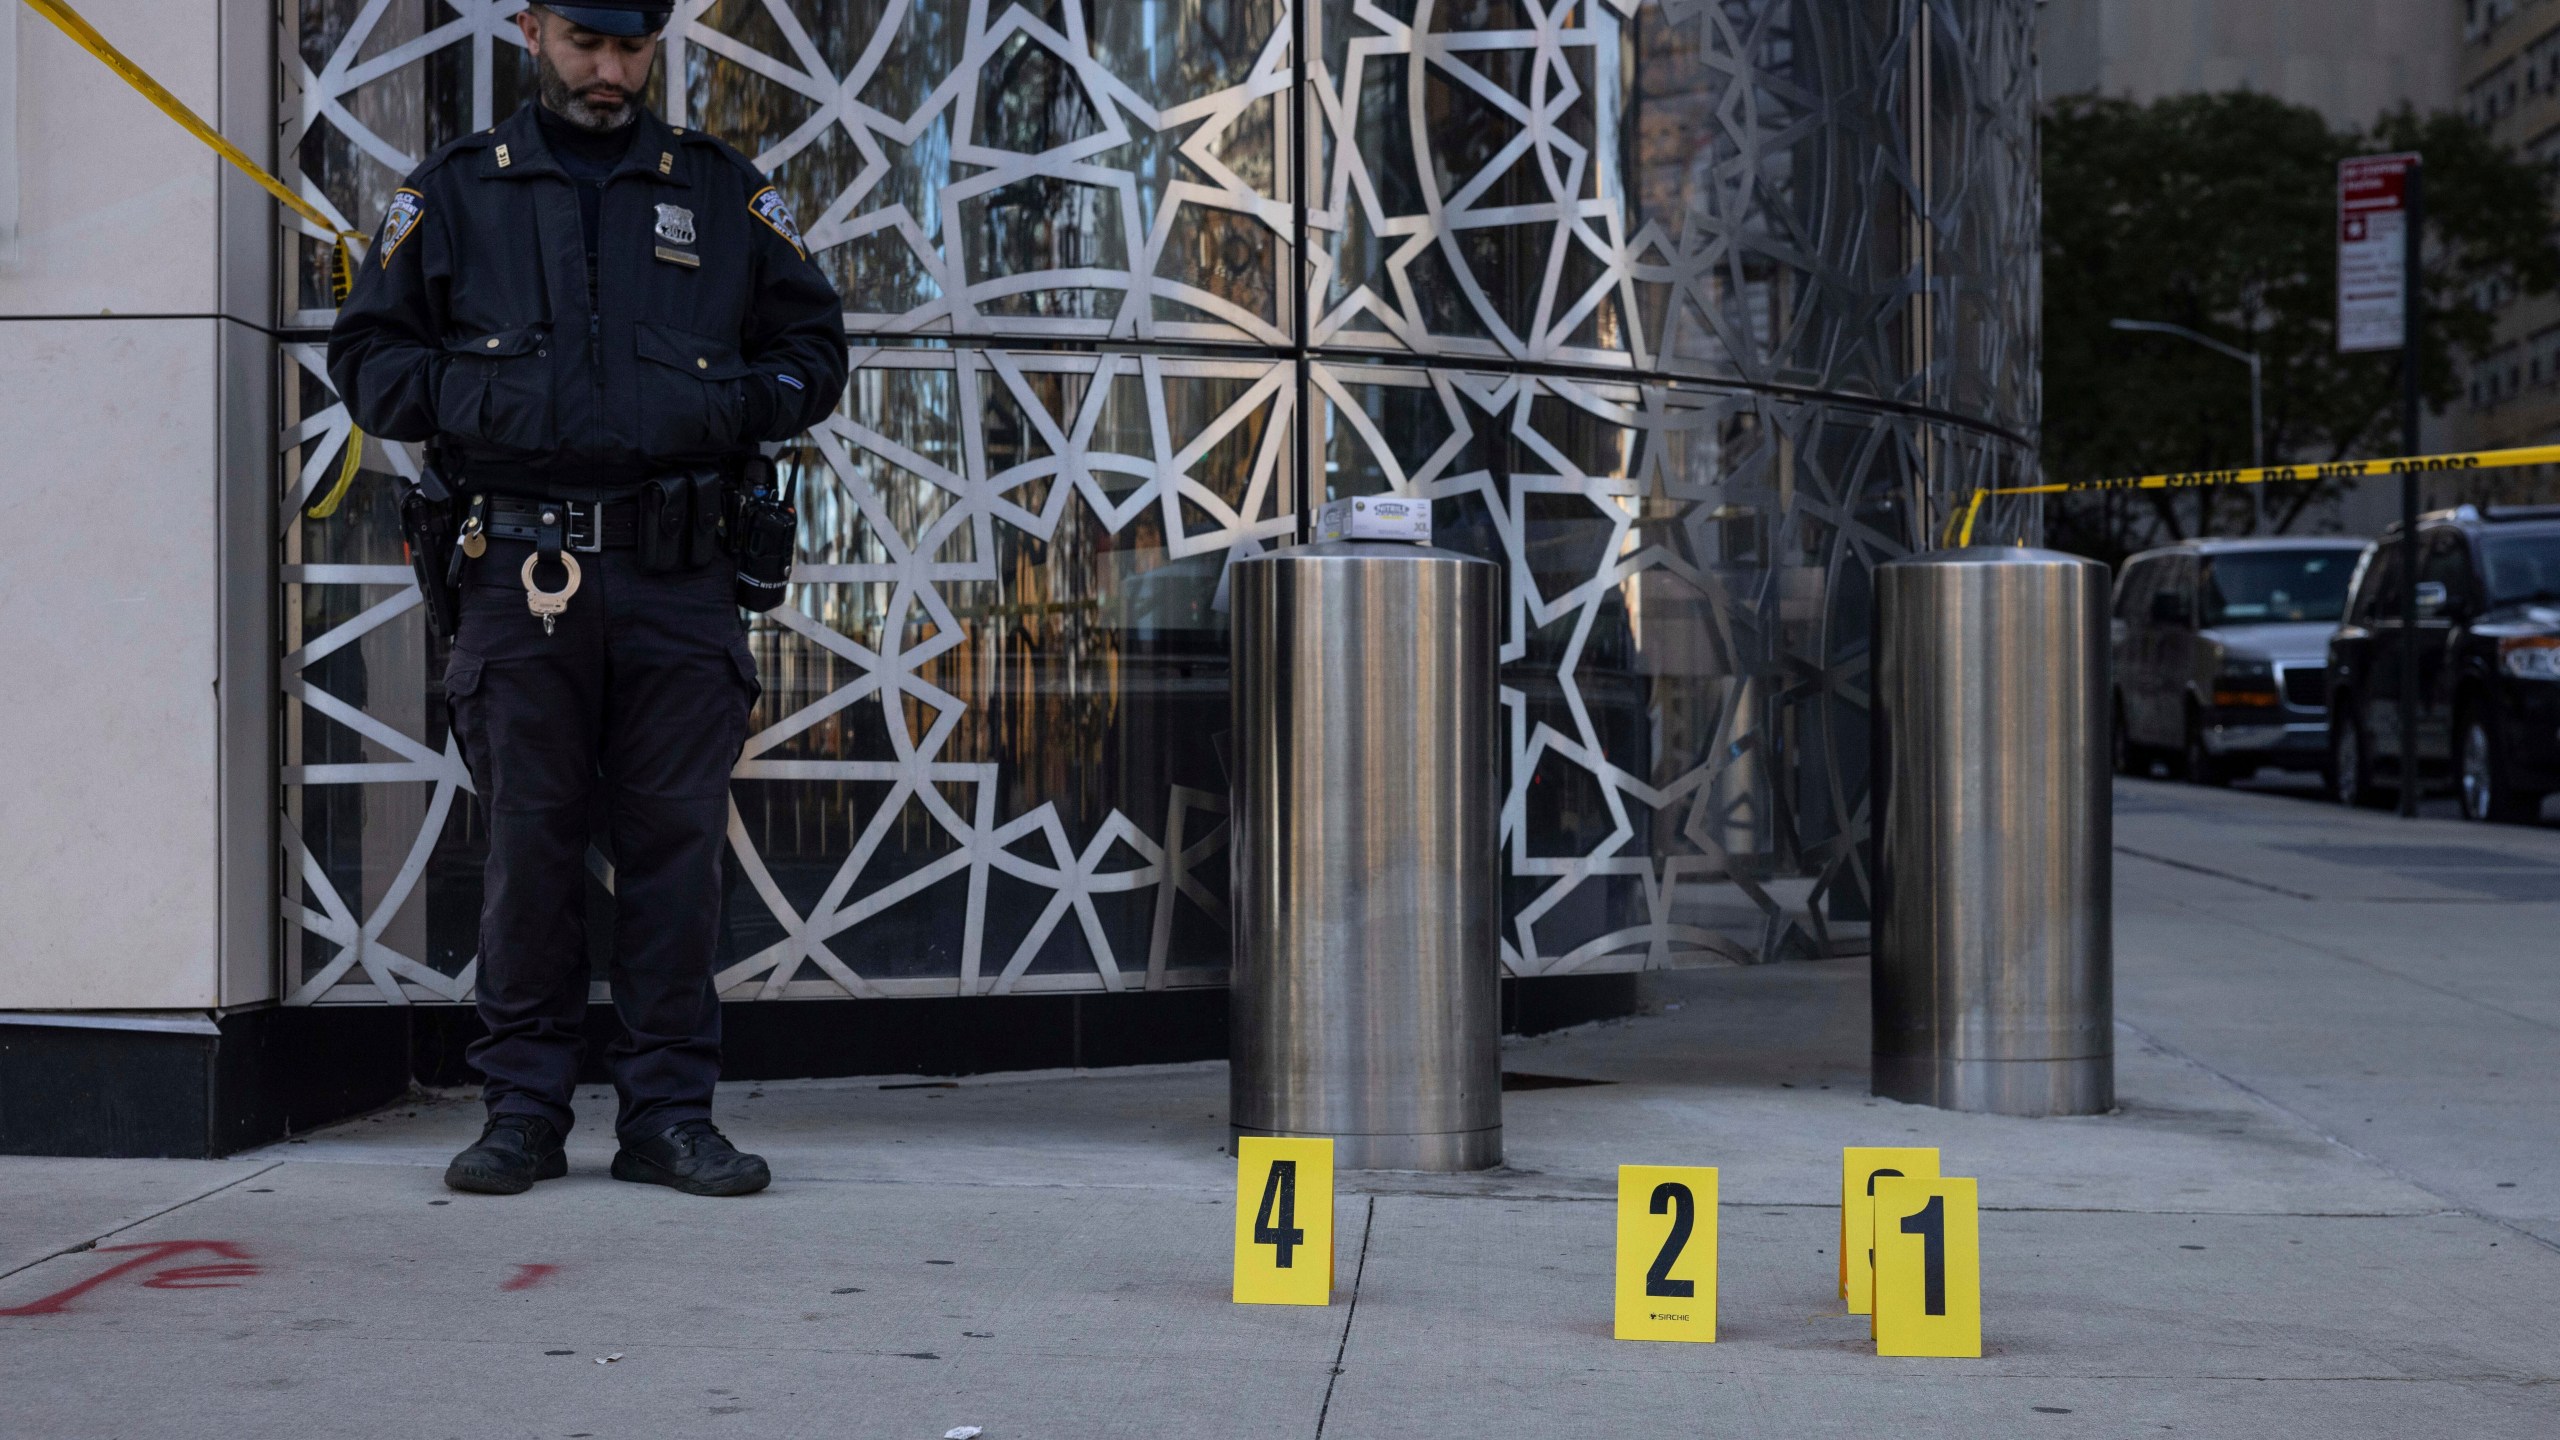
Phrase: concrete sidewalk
x=2329 y=1206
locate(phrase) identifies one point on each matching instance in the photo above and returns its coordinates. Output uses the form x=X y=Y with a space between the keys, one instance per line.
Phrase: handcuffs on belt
x=675 y=521
x=659 y=521
x=549 y=605
x=553 y=529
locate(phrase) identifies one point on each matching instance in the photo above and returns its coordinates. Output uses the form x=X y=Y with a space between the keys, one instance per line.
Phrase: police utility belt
x=676 y=522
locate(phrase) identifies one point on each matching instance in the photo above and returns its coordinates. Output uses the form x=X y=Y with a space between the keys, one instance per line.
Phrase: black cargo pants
x=633 y=709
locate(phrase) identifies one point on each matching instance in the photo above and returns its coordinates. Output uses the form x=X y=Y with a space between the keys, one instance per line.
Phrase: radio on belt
x=1375 y=517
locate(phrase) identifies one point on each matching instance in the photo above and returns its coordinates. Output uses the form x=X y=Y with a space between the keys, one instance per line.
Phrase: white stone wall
x=137 y=376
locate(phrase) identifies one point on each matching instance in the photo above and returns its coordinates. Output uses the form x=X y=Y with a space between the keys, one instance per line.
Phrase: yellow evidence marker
x=1284 y=1221
x=1666 y=1252
x=1861 y=1166
x=1928 y=1268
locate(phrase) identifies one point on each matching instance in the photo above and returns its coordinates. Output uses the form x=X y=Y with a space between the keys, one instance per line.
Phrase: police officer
x=593 y=318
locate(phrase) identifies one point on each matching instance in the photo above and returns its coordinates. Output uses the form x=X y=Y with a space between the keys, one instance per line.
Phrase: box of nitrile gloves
x=1375 y=517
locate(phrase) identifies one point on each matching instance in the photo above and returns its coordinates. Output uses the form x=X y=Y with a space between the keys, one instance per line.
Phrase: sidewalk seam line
x=2452 y=1205
x=92 y=1242
x=2216 y=874
x=1368 y=1223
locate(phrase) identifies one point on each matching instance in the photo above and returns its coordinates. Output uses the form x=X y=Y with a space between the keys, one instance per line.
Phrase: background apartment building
x=2511 y=84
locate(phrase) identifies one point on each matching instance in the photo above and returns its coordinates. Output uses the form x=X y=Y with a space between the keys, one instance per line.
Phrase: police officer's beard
x=570 y=106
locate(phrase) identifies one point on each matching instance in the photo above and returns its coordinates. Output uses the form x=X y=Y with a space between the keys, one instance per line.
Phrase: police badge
x=675 y=224
x=775 y=211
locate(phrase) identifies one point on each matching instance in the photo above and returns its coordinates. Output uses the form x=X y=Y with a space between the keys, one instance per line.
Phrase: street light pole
x=2413 y=321
x=2257 y=387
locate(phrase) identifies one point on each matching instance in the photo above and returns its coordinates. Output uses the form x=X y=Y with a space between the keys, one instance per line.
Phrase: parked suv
x=2488 y=664
x=2220 y=647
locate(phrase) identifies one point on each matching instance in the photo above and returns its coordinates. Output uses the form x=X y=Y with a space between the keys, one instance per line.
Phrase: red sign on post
x=2373 y=239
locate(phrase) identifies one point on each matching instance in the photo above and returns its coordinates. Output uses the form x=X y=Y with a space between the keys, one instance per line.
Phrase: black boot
x=693 y=1157
x=512 y=1153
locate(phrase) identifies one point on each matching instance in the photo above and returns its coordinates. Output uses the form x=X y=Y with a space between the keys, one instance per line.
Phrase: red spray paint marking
x=199 y=1277
x=528 y=1276
x=181 y=1277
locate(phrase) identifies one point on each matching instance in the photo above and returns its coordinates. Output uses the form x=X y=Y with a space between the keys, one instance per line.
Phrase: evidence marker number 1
x=1928 y=1239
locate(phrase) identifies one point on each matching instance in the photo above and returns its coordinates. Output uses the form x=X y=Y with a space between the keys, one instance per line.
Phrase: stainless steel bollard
x=1993 y=826
x=1366 y=994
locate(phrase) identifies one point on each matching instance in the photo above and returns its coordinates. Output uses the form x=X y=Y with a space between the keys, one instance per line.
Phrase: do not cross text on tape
x=2516 y=459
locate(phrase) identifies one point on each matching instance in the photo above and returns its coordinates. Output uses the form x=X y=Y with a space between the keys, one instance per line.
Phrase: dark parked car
x=2219 y=652
x=2488 y=664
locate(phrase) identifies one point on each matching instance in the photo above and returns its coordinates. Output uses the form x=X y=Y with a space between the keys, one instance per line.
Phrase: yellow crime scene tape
x=342 y=263
x=2275 y=475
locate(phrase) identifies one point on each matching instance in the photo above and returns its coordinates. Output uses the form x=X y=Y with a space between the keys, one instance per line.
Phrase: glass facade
x=1686 y=312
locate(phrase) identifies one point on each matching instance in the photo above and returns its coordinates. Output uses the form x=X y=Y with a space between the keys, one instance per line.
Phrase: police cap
x=617 y=17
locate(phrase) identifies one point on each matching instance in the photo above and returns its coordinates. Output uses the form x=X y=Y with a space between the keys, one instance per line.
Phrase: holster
x=430 y=530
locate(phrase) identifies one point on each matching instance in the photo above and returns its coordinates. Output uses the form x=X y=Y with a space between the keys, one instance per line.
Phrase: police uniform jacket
x=710 y=330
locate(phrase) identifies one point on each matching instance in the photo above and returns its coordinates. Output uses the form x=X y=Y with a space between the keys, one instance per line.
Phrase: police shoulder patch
x=407 y=207
x=775 y=211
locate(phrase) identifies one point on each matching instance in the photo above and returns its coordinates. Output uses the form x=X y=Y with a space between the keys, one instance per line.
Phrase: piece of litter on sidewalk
x=962 y=1432
x=609 y=1359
